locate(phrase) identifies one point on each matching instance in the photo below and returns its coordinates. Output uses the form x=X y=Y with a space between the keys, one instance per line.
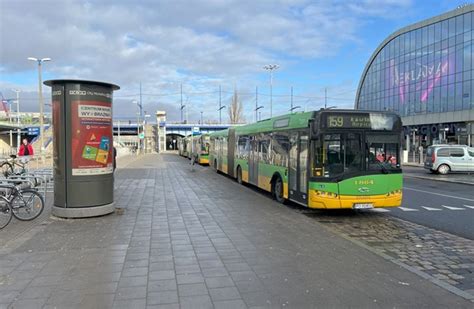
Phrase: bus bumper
x=323 y=201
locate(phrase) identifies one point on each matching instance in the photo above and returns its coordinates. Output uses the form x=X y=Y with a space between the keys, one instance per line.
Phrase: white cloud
x=165 y=43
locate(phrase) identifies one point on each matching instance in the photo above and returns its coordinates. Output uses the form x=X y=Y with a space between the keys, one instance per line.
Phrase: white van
x=449 y=158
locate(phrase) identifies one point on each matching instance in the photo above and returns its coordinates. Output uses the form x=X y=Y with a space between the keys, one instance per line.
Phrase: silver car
x=449 y=158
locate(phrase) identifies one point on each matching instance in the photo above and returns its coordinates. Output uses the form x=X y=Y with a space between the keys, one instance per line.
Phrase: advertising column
x=83 y=148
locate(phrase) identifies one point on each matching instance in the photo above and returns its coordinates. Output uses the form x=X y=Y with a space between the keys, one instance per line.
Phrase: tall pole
x=181 y=105
x=291 y=107
x=220 y=103
x=271 y=68
x=18 y=132
x=201 y=118
x=40 y=89
x=40 y=94
x=325 y=98
x=256 y=104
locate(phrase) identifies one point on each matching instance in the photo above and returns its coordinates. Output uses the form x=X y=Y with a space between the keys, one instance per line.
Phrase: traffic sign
x=33 y=130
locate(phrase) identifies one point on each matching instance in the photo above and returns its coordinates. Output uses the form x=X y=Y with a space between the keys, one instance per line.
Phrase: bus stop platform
x=187 y=237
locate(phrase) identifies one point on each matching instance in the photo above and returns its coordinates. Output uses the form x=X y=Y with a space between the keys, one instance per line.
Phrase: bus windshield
x=336 y=154
x=382 y=152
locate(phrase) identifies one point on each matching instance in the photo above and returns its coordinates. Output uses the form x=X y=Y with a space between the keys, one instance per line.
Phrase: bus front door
x=298 y=169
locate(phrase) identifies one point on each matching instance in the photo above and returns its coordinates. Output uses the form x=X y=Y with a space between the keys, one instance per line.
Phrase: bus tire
x=277 y=190
x=239 y=175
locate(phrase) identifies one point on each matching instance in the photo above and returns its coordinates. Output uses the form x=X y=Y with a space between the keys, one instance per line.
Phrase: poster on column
x=91 y=142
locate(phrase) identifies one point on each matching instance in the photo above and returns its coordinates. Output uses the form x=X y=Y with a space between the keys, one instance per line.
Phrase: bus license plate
x=363 y=206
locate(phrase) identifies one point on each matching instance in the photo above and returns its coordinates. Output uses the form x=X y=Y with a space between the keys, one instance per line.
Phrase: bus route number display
x=360 y=121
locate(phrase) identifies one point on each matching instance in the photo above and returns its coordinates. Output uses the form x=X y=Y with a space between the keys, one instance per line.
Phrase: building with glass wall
x=425 y=72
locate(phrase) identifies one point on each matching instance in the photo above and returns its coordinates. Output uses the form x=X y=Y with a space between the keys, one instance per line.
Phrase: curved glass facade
x=423 y=71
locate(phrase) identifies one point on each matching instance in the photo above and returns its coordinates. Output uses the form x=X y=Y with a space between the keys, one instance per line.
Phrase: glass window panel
x=459 y=39
x=466 y=96
x=467 y=22
x=444 y=29
x=452 y=27
x=459 y=24
x=431 y=34
x=451 y=96
x=467 y=56
x=424 y=36
x=458 y=99
x=437 y=32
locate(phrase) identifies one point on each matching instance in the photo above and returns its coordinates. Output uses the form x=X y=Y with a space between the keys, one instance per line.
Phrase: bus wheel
x=239 y=175
x=278 y=190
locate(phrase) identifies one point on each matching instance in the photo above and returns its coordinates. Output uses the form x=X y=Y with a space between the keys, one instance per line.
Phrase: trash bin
x=82 y=148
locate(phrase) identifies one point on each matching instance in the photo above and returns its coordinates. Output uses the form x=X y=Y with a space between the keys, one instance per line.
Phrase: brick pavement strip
x=199 y=240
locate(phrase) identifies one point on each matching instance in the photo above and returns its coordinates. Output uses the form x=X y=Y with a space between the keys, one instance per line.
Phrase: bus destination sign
x=372 y=121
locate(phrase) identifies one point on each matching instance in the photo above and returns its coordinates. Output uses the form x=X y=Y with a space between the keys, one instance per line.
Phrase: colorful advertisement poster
x=91 y=138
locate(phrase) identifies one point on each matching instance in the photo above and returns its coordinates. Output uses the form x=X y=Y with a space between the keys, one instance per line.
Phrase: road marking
x=430 y=208
x=445 y=195
x=469 y=206
x=407 y=209
x=453 y=208
x=382 y=210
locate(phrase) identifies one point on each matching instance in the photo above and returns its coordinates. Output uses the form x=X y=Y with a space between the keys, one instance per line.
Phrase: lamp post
x=18 y=132
x=271 y=68
x=219 y=110
x=40 y=90
x=201 y=117
x=257 y=108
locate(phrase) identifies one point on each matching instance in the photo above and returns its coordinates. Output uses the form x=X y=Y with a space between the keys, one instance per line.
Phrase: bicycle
x=7 y=167
x=23 y=204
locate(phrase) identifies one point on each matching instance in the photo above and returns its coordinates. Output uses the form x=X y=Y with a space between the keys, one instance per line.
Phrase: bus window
x=280 y=148
x=382 y=152
x=337 y=154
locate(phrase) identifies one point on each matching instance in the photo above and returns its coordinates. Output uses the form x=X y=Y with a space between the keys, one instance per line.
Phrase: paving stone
x=227 y=293
x=131 y=292
x=219 y=282
x=162 y=285
x=192 y=289
x=163 y=297
x=195 y=302
x=230 y=304
x=190 y=278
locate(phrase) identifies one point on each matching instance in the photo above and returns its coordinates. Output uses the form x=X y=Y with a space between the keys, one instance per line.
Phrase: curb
x=443 y=180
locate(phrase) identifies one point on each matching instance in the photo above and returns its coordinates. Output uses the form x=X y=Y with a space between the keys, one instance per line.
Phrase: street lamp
x=271 y=68
x=40 y=89
x=201 y=118
x=18 y=132
x=294 y=107
x=256 y=111
x=219 y=110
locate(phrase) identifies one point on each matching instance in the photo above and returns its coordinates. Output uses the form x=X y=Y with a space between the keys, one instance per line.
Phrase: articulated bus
x=328 y=159
x=200 y=149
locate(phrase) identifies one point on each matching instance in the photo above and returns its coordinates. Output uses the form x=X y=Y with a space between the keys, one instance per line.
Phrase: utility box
x=83 y=148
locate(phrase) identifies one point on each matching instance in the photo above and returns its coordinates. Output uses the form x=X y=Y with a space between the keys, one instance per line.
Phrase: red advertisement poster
x=91 y=138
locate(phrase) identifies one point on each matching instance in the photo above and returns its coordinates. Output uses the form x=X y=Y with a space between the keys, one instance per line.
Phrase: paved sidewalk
x=417 y=171
x=199 y=240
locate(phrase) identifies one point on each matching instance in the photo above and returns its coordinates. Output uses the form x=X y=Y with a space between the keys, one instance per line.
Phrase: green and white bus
x=327 y=159
x=200 y=149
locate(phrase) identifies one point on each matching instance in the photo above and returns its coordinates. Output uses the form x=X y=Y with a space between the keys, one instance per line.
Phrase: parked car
x=443 y=159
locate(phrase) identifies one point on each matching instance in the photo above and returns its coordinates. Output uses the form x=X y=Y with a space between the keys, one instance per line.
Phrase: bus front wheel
x=278 y=190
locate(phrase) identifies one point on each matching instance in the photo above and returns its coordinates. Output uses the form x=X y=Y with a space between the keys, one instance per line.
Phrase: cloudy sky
x=201 y=45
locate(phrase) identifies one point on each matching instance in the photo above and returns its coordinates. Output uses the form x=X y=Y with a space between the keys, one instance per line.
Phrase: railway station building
x=425 y=73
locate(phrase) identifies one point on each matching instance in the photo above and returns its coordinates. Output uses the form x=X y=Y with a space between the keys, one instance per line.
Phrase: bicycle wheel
x=27 y=205
x=6 y=168
x=5 y=212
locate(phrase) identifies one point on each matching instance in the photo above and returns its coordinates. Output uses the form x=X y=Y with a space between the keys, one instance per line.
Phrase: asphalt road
x=439 y=205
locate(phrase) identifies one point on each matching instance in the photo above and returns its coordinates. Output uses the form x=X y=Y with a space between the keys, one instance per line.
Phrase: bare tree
x=236 y=109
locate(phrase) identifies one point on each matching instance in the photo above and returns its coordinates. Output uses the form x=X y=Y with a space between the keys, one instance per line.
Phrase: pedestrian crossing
x=425 y=208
